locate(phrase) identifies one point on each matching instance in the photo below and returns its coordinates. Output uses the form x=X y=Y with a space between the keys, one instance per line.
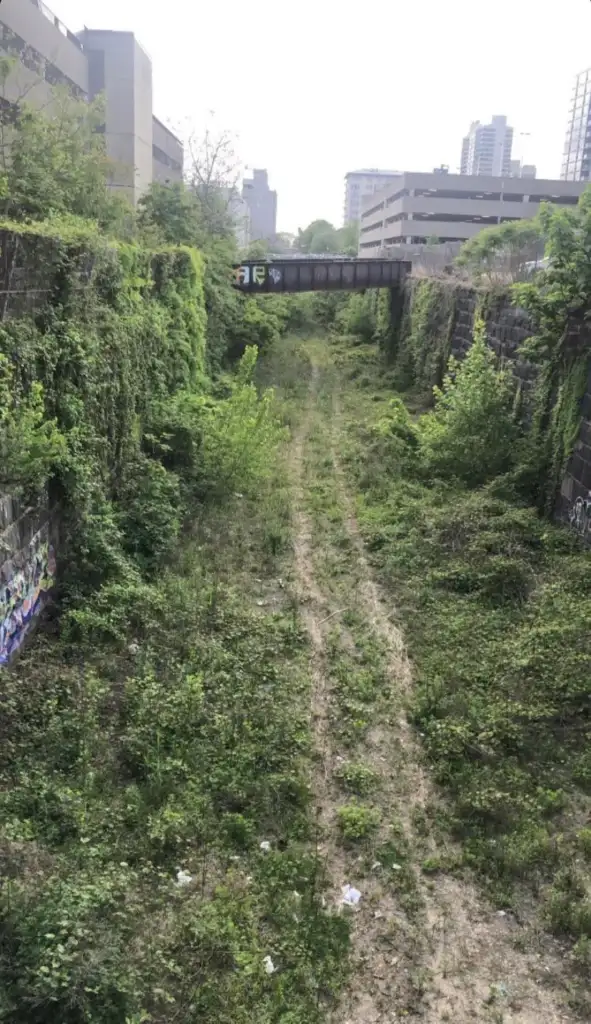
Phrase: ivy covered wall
x=552 y=383
x=95 y=338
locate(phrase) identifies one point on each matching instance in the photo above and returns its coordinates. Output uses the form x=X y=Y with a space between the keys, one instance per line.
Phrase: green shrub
x=470 y=434
x=358 y=778
x=31 y=445
x=357 y=822
x=358 y=318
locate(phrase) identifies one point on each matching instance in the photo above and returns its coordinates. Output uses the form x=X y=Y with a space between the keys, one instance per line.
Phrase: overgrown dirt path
x=425 y=947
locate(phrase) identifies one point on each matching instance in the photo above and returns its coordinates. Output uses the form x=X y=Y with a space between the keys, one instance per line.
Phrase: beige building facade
x=90 y=63
x=453 y=207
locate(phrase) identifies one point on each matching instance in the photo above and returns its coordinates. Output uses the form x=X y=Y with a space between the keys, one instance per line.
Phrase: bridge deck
x=302 y=275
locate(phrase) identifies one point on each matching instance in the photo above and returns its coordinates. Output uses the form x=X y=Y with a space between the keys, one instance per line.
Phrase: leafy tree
x=348 y=239
x=58 y=165
x=319 y=236
x=561 y=297
x=258 y=250
x=172 y=213
x=471 y=433
x=501 y=252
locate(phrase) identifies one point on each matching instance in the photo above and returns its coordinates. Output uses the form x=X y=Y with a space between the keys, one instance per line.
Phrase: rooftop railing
x=48 y=13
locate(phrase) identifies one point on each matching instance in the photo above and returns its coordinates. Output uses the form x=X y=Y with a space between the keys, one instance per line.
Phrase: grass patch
x=496 y=605
x=166 y=729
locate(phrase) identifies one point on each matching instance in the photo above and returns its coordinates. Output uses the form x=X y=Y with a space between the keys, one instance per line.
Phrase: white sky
x=314 y=88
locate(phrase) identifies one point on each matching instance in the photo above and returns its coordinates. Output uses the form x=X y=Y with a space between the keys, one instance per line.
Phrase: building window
x=13 y=45
x=164 y=158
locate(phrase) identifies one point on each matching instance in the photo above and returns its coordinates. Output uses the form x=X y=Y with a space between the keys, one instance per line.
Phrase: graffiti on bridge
x=247 y=275
x=580 y=515
x=24 y=594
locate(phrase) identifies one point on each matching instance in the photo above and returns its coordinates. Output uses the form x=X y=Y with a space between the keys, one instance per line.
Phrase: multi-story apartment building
x=262 y=204
x=359 y=185
x=486 y=149
x=576 y=161
x=47 y=55
x=453 y=207
x=519 y=170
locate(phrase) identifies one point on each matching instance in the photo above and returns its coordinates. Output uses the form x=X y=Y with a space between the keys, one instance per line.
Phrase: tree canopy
x=503 y=250
x=321 y=236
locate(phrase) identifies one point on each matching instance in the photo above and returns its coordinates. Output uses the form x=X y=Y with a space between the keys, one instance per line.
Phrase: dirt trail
x=455 y=958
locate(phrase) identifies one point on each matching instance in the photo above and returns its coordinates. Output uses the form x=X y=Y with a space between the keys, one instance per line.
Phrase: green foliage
x=179 y=215
x=471 y=434
x=358 y=317
x=30 y=444
x=421 y=349
x=495 y=602
x=162 y=722
x=263 y=320
x=357 y=822
x=223 y=447
x=257 y=250
x=501 y=252
x=120 y=769
x=171 y=214
x=58 y=165
x=558 y=302
x=322 y=237
x=83 y=384
x=358 y=778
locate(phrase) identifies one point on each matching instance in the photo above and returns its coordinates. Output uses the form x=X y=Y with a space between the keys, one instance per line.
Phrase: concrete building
x=519 y=170
x=359 y=185
x=486 y=149
x=262 y=204
x=92 y=62
x=453 y=207
x=167 y=154
x=576 y=159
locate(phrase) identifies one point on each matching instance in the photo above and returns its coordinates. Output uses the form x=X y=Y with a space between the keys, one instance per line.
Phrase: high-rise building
x=576 y=162
x=519 y=170
x=486 y=149
x=262 y=204
x=139 y=146
x=359 y=185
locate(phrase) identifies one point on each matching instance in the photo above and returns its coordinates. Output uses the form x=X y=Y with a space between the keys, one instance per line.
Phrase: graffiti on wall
x=247 y=275
x=23 y=595
x=250 y=274
x=580 y=515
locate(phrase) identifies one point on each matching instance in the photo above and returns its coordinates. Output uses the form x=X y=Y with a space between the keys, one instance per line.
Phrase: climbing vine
x=558 y=301
x=424 y=345
x=118 y=332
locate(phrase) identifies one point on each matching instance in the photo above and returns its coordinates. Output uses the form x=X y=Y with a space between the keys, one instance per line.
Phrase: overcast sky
x=315 y=88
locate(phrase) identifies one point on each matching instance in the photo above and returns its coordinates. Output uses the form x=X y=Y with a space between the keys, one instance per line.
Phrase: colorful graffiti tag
x=23 y=596
x=246 y=275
